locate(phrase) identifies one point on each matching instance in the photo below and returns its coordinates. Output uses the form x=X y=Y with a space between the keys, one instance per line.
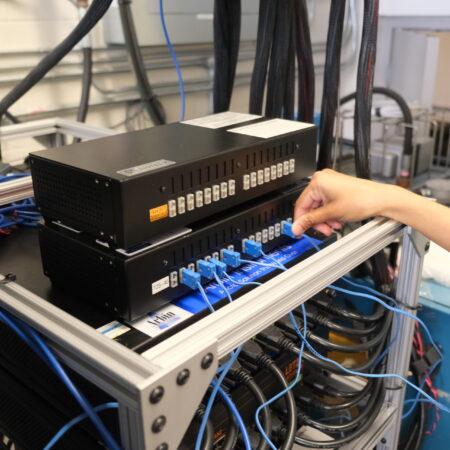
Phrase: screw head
x=183 y=377
x=96 y=181
x=163 y=446
x=106 y=184
x=156 y=395
x=158 y=424
x=165 y=262
x=383 y=441
x=207 y=360
x=163 y=189
x=238 y=164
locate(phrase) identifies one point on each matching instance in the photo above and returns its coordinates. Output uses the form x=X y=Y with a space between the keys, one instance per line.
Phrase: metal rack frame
x=182 y=366
x=20 y=189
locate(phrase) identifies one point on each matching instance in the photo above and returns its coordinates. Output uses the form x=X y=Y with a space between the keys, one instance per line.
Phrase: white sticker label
x=221 y=120
x=113 y=329
x=156 y=323
x=160 y=285
x=271 y=128
x=148 y=167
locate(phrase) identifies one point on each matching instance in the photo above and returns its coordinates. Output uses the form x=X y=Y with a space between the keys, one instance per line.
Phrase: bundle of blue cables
x=18 y=213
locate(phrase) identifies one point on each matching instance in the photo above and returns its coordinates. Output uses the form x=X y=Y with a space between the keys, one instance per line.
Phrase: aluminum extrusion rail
x=178 y=365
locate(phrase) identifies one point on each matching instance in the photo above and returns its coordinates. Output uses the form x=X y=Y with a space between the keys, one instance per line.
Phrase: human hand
x=332 y=198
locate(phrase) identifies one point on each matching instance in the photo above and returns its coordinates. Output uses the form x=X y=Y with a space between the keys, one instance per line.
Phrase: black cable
x=305 y=63
x=368 y=388
x=289 y=92
x=231 y=437
x=320 y=319
x=364 y=86
x=148 y=98
x=350 y=425
x=404 y=108
x=85 y=87
x=243 y=377
x=227 y=31
x=331 y=82
x=285 y=343
x=95 y=12
x=208 y=437
x=336 y=443
x=253 y=353
x=279 y=61
x=326 y=389
x=351 y=315
x=353 y=348
x=266 y=26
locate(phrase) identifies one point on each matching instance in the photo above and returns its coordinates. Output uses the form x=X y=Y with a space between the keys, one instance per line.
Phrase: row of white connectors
x=176 y=275
x=268 y=174
x=202 y=197
x=267 y=234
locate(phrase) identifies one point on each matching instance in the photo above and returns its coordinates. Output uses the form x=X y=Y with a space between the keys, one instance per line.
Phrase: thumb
x=313 y=217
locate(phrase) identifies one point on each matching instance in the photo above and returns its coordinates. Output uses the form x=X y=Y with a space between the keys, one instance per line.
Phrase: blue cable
x=224 y=371
x=76 y=420
x=241 y=283
x=14 y=176
x=421 y=385
x=249 y=261
x=39 y=346
x=174 y=58
x=205 y=297
x=399 y=311
x=221 y=371
x=220 y=283
x=236 y=414
x=278 y=263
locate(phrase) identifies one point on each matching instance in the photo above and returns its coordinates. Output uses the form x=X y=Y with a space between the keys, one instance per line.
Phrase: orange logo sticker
x=158 y=213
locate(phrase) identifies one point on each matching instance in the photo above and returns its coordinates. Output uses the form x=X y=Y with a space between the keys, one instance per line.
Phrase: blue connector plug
x=190 y=278
x=206 y=269
x=231 y=258
x=221 y=267
x=287 y=230
x=253 y=248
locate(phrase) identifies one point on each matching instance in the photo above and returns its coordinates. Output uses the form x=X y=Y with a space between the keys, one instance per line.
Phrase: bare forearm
x=420 y=213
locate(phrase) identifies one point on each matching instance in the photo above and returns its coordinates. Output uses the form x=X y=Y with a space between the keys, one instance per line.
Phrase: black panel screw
x=156 y=395
x=207 y=361
x=158 y=424
x=162 y=447
x=183 y=377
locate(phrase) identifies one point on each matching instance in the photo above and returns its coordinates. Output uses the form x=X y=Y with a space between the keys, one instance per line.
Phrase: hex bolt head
x=183 y=377
x=158 y=424
x=162 y=447
x=156 y=395
x=207 y=360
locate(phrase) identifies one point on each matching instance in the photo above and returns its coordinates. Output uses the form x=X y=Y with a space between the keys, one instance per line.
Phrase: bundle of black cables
x=227 y=31
x=95 y=12
x=331 y=82
x=283 y=32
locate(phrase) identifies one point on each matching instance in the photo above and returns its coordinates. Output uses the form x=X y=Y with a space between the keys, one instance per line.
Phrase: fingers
x=315 y=218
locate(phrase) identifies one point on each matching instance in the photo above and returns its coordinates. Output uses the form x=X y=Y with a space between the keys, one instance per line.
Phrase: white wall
x=414 y=7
